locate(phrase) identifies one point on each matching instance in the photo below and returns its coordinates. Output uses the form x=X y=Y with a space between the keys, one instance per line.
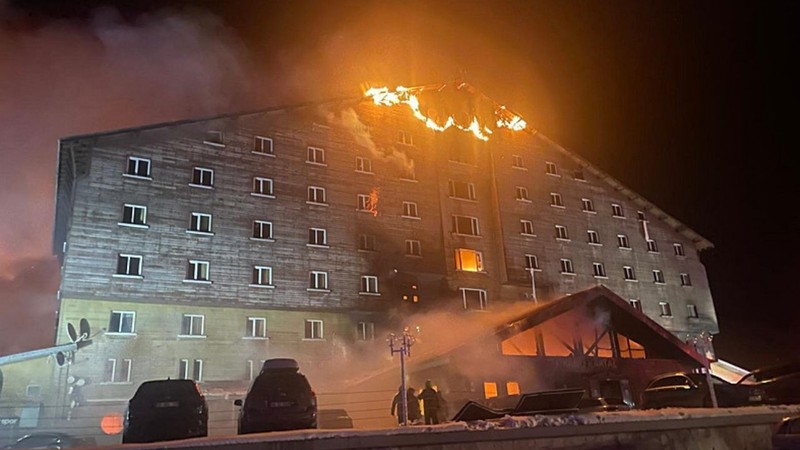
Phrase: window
x=313 y=329
x=121 y=322
x=588 y=205
x=262 y=229
x=183 y=369
x=616 y=210
x=129 y=265
x=469 y=260
x=316 y=156
x=692 y=310
x=555 y=200
x=365 y=331
x=197 y=370
x=622 y=241
x=413 y=248
x=640 y=215
x=134 y=215
x=263 y=145
x=531 y=262
x=678 y=249
x=202 y=177
x=474 y=299
x=636 y=304
x=466 y=225
x=369 y=284
x=317 y=236
x=658 y=277
x=405 y=137
x=578 y=174
x=138 y=167
x=364 y=203
x=262 y=186
x=461 y=190
x=409 y=172
x=566 y=266
x=363 y=165
x=410 y=210
x=262 y=276
x=652 y=246
x=599 y=270
x=561 y=233
x=527 y=227
x=462 y=154
x=517 y=162
x=666 y=310
x=628 y=273
x=200 y=223
x=193 y=325
x=256 y=327
x=551 y=168
x=214 y=138
x=685 y=280
x=316 y=195
x=318 y=280
x=117 y=371
x=594 y=237
x=197 y=271
x=522 y=194
x=366 y=242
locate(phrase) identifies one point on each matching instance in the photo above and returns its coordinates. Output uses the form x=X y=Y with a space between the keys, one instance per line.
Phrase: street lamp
x=402 y=344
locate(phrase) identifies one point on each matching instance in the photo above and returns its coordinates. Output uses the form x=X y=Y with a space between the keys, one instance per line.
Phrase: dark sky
x=690 y=104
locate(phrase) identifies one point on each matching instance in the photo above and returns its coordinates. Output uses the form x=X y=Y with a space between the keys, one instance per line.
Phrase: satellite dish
x=70 y=379
x=80 y=382
x=73 y=335
x=61 y=358
x=85 y=331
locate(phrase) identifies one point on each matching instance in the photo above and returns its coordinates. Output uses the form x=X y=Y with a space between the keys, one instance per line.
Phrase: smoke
x=28 y=305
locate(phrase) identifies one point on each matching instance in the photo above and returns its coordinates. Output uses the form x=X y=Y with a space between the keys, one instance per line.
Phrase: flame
x=382 y=96
x=373 y=201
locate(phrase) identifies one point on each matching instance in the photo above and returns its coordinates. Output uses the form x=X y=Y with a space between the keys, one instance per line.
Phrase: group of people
x=433 y=405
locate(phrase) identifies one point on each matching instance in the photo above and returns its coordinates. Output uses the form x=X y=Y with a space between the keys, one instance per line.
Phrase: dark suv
x=163 y=410
x=690 y=390
x=280 y=398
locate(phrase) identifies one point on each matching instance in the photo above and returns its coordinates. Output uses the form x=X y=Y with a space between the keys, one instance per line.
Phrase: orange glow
x=373 y=201
x=512 y=387
x=489 y=389
x=469 y=260
x=111 y=423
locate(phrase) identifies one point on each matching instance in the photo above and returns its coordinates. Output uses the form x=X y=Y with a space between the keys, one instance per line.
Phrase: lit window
x=262 y=229
x=616 y=210
x=566 y=266
x=134 y=215
x=318 y=280
x=474 y=299
x=256 y=327
x=365 y=203
x=517 y=162
x=622 y=241
x=316 y=156
x=489 y=389
x=405 y=137
x=129 y=265
x=594 y=237
x=692 y=310
x=561 y=233
x=316 y=195
x=262 y=145
x=202 y=177
x=117 y=371
x=469 y=260
x=588 y=205
x=262 y=276
x=652 y=246
x=531 y=262
x=522 y=194
x=461 y=190
x=678 y=249
x=599 y=270
x=466 y=225
x=413 y=248
x=410 y=210
x=313 y=329
x=214 y=138
x=556 y=200
x=363 y=165
x=317 y=236
x=629 y=273
x=138 y=167
x=366 y=242
x=193 y=325
x=512 y=388
x=262 y=186
x=197 y=271
x=658 y=277
x=200 y=223
x=365 y=331
x=527 y=227
x=666 y=310
x=636 y=304
x=685 y=280
x=551 y=168
x=121 y=322
x=369 y=284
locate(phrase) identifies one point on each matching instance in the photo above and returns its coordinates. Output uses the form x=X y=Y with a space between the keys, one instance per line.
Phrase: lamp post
x=402 y=345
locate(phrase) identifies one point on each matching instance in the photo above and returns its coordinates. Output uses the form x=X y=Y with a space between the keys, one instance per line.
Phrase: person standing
x=430 y=403
x=397 y=405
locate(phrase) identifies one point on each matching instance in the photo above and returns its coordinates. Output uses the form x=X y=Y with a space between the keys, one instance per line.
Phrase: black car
x=163 y=410
x=51 y=441
x=590 y=405
x=280 y=398
x=787 y=434
x=690 y=390
x=779 y=384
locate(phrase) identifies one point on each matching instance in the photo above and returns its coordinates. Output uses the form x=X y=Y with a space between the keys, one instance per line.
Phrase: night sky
x=690 y=104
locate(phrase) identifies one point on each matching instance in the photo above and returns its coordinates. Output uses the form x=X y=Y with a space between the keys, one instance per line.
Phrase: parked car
x=787 y=434
x=51 y=441
x=588 y=405
x=163 y=410
x=779 y=384
x=280 y=398
x=333 y=419
x=684 y=389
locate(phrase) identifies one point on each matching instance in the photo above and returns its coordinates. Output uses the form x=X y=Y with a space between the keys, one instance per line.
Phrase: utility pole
x=402 y=344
